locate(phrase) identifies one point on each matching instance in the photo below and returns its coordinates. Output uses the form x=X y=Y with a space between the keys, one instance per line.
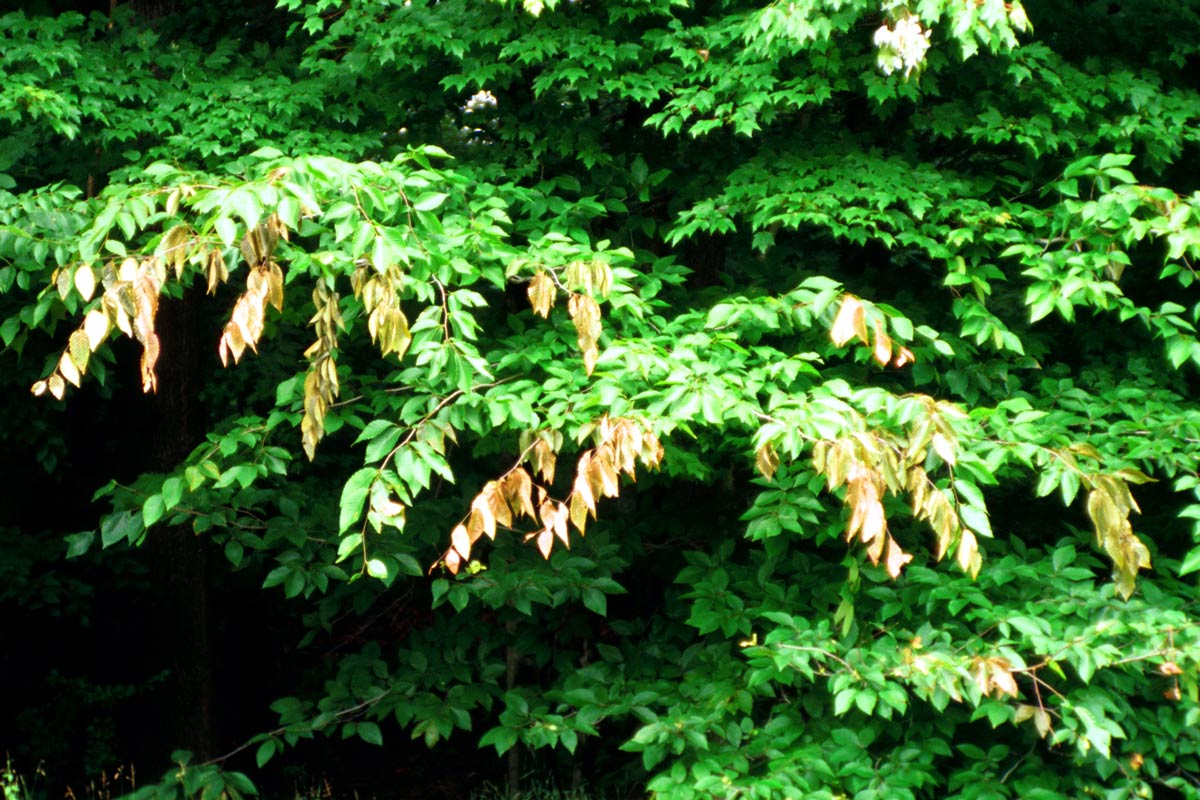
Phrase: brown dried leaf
x=482 y=518
x=866 y=511
x=883 y=345
x=601 y=278
x=548 y=511
x=543 y=459
x=150 y=349
x=542 y=293
x=248 y=316
x=57 y=387
x=820 y=453
x=173 y=248
x=275 y=286
x=652 y=450
x=839 y=460
x=1109 y=505
x=767 y=460
x=979 y=674
x=850 y=322
x=373 y=322
x=591 y=354
x=256 y=285
x=578 y=276
x=460 y=539
x=498 y=505
x=561 y=517
x=579 y=511
x=400 y=337
x=1001 y=676
x=114 y=307
x=545 y=541
x=312 y=426
x=606 y=472
x=1104 y=514
x=583 y=487
x=252 y=247
x=145 y=299
x=942 y=519
x=968 y=555
x=916 y=481
x=217 y=272
x=231 y=342
x=1041 y=721
x=585 y=313
x=518 y=488
x=896 y=558
x=904 y=356
x=453 y=561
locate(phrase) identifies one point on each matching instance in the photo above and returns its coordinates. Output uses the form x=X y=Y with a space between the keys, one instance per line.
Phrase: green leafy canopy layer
x=820 y=374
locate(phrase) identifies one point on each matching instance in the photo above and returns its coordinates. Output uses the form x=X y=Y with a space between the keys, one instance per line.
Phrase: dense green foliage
x=850 y=348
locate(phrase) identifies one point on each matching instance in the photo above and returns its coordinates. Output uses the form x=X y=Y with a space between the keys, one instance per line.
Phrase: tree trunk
x=512 y=660
x=177 y=557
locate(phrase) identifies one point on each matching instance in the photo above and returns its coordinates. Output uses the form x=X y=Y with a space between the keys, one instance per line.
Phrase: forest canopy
x=675 y=398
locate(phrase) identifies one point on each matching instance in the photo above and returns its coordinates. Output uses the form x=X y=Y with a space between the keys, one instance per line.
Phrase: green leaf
x=429 y=201
x=976 y=519
x=503 y=739
x=354 y=494
x=369 y=732
x=595 y=601
x=172 y=492
x=1191 y=562
x=125 y=525
x=843 y=701
x=265 y=751
x=240 y=782
x=227 y=230
x=350 y=543
x=79 y=543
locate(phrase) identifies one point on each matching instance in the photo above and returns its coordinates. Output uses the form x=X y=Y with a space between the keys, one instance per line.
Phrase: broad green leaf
x=354 y=494
x=429 y=201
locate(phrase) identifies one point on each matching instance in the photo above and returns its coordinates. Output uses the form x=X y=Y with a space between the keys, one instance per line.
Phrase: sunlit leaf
x=766 y=460
x=542 y=293
x=85 y=281
x=850 y=322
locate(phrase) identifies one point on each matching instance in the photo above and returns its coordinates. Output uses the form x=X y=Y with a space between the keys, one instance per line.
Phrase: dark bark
x=177 y=556
x=512 y=661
